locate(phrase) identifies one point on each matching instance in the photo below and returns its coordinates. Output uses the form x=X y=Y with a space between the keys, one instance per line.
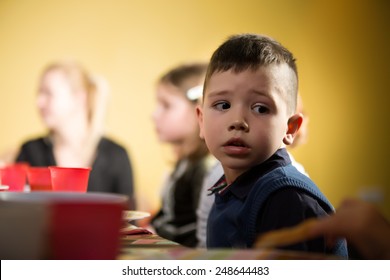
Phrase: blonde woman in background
x=72 y=105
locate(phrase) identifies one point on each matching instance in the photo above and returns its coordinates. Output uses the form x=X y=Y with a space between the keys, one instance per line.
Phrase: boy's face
x=245 y=118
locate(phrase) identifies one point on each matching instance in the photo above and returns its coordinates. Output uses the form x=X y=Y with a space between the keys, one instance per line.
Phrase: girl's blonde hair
x=185 y=77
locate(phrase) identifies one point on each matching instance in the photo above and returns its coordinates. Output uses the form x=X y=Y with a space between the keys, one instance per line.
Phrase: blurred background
x=342 y=50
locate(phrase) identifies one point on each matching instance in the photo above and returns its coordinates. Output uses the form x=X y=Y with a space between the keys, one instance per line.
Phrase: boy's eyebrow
x=226 y=92
x=257 y=92
x=217 y=93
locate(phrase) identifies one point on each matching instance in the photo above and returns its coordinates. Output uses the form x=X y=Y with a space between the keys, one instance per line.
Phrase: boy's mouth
x=236 y=142
x=236 y=147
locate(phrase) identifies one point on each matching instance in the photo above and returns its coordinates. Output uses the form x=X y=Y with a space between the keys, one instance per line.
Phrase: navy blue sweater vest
x=233 y=222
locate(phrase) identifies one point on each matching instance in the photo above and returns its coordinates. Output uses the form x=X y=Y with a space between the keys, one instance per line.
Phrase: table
x=154 y=247
x=145 y=246
x=148 y=241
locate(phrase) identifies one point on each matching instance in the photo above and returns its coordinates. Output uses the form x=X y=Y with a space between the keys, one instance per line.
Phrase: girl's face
x=174 y=116
x=56 y=101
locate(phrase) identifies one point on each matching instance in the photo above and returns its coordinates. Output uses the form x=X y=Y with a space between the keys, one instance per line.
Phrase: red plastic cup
x=14 y=176
x=39 y=178
x=69 y=179
x=85 y=231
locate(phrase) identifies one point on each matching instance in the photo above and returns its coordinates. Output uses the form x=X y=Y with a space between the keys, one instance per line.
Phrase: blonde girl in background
x=176 y=123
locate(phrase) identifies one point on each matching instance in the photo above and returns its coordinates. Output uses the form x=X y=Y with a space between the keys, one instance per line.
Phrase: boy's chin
x=237 y=165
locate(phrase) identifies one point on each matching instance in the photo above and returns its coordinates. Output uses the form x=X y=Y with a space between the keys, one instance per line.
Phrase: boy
x=247 y=118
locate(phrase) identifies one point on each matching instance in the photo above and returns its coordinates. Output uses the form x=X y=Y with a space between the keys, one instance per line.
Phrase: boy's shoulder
x=286 y=177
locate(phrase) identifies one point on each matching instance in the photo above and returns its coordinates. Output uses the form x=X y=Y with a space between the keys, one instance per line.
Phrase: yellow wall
x=343 y=59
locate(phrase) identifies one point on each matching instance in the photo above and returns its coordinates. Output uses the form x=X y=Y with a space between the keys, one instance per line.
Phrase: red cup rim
x=33 y=168
x=37 y=167
x=70 y=168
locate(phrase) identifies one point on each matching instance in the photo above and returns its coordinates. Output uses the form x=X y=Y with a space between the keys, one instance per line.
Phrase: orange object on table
x=39 y=178
x=69 y=179
x=14 y=176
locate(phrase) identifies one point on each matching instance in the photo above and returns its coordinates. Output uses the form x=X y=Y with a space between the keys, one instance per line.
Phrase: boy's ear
x=199 y=113
x=294 y=123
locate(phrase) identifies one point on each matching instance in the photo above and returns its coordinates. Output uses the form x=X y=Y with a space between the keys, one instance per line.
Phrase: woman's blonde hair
x=79 y=80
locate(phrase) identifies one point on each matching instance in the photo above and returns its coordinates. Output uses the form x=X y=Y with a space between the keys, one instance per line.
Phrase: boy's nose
x=239 y=125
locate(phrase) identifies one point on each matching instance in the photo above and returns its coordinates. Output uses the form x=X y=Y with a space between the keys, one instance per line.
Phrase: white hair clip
x=195 y=93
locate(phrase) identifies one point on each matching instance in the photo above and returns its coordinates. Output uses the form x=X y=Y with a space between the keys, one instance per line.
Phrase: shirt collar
x=219 y=186
x=243 y=184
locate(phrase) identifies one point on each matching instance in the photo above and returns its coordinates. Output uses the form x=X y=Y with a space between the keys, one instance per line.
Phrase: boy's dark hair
x=250 y=51
x=185 y=76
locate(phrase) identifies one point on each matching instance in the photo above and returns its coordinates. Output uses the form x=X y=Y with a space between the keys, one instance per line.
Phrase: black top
x=176 y=220
x=111 y=170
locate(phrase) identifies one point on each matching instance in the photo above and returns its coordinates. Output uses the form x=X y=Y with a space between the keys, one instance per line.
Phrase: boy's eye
x=222 y=106
x=260 y=109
